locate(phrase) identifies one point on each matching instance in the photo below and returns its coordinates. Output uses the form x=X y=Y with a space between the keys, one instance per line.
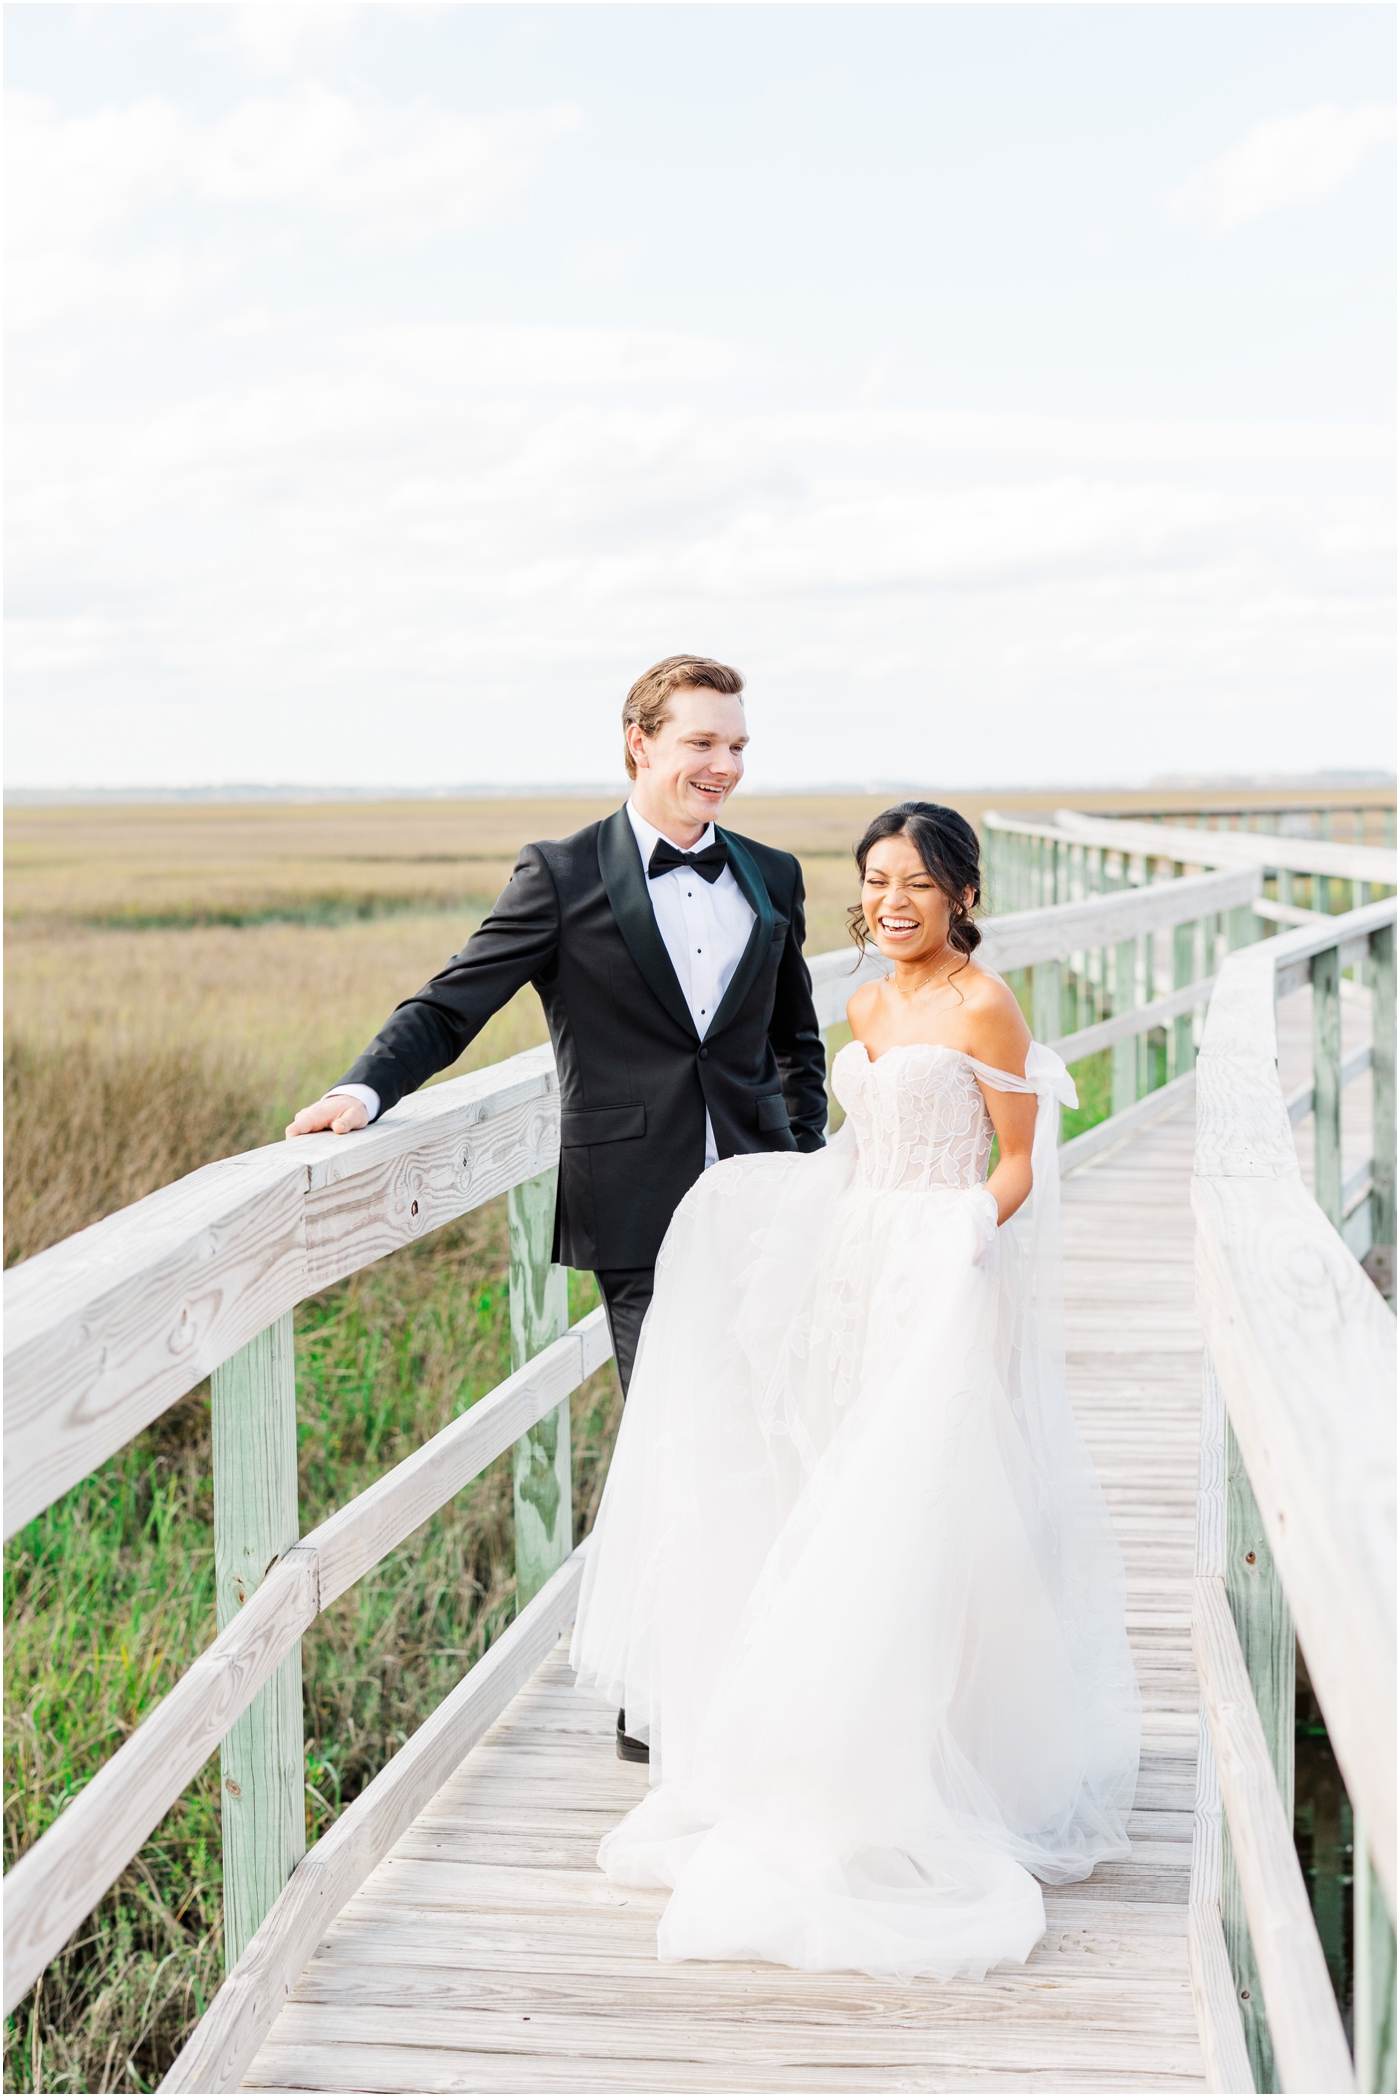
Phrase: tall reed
x=109 y=1594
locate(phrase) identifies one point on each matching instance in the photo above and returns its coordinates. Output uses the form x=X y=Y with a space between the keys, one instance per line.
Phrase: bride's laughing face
x=906 y=910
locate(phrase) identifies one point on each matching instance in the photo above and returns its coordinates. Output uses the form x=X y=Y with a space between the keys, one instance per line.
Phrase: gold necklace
x=922 y=984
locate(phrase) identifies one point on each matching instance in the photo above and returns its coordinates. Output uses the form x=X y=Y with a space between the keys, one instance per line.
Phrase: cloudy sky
x=1007 y=390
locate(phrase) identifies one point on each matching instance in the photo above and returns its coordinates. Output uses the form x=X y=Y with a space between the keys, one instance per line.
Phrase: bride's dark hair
x=947 y=845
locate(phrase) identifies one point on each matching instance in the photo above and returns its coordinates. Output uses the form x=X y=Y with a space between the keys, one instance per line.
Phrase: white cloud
x=274 y=37
x=403 y=542
x=391 y=174
x=1279 y=164
x=603 y=262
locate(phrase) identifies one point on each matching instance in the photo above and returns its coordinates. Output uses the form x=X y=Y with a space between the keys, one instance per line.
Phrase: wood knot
x=234 y=1790
x=1249 y=1558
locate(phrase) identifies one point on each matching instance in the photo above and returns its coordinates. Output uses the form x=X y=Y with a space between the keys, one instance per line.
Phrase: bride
x=853 y=1577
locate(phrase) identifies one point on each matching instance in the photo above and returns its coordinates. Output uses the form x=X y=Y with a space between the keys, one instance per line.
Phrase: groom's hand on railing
x=338 y=1112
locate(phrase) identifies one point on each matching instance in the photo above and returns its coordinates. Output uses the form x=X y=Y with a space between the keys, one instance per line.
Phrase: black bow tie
x=709 y=864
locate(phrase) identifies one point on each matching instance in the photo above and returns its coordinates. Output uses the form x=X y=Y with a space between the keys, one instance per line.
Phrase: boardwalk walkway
x=487 y=1952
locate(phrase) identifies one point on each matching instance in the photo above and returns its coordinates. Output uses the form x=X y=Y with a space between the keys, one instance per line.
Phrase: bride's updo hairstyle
x=947 y=845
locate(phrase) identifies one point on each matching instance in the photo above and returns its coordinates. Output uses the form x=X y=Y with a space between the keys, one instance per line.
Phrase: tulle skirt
x=854 y=1579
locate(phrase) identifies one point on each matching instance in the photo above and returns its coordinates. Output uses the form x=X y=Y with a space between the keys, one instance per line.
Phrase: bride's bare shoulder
x=995 y=1025
x=860 y=1005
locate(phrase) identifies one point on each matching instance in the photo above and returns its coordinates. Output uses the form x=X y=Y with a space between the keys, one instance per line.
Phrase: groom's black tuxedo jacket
x=635 y=1079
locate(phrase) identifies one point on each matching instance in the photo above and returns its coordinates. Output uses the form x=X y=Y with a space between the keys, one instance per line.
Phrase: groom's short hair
x=649 y=701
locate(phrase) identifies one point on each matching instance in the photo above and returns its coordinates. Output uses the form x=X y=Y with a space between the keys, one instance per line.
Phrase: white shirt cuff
x=365 y=1094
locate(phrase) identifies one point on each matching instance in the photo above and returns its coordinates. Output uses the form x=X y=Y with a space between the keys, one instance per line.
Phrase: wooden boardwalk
x=487 y=1952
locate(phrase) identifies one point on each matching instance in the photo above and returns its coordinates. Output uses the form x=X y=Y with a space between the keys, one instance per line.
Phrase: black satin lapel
x=751 y=960
x=620 y=864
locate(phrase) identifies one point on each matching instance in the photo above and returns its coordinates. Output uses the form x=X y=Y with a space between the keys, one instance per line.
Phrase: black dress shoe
x=628 y=1749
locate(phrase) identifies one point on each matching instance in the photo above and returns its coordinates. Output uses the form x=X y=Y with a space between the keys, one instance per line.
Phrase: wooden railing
x=1028 y=861
x=1297 y=1516
x=106 y=1331
x=1364 y=816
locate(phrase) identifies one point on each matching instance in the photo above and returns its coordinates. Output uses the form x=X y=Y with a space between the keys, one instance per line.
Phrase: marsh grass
x=178 y=981
x=88 y=1129
x=109 y=1595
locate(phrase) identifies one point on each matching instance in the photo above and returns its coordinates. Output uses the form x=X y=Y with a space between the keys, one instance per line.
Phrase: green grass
x=109 y=1595
x=1093 y=1081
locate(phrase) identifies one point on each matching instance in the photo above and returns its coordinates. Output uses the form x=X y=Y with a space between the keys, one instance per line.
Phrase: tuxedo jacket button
x=703 y=1054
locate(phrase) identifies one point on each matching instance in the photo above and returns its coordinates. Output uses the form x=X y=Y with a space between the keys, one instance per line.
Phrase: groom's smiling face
x=689 y=768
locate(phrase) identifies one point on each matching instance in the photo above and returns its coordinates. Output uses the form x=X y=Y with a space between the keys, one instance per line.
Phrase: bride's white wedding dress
x=853 y=1574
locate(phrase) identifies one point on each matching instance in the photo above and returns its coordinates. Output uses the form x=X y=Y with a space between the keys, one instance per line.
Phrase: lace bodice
x=918 y=1114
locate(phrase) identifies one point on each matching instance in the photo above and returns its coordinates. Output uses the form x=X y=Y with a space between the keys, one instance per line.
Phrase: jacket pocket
x=772 y=1112
x=581 y=1125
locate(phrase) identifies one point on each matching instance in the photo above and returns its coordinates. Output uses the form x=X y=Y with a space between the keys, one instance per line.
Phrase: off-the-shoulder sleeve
x=1045 y=1073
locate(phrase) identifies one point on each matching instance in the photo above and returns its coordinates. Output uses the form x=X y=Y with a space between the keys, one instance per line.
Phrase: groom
x=668 y=956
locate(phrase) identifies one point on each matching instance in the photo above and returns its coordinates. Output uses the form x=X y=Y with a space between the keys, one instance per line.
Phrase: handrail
x=1303 y=1349
x=221 y=2047
x=1300 y=1338
x=106 y=1331
x=1261 y=848
x=1186 y=846
x=1304 y=2025
x=65 y=1873
x=1024 y=938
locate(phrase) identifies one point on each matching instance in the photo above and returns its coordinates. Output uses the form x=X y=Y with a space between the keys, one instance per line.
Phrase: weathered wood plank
x=349 y=1542
x=1309 y=2043
x=747 y=2044
x=351 y=2068
x=539 y=1313
x=1133 y=1020
x=57 y=1882
x=1383 y=1094
x=1156 y=1106
x=227 y=2037
x=492 y=1898
x=1265 y=1630
x=1327 y=1085
x=1300 y=855
x=1213 y=1981
x=1024 y=938
x=1301 y=1340
x=105 y=1331
x=262 y=1763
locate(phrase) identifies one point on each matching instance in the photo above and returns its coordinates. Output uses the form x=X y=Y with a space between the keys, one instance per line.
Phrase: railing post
x=1327 y=1084
x=1047 y=1000
x=1242 y=927
x=1125 y=1053
x=1183 y=972
x=1373 y=1970
x=539 y=1313
x=1383 y=1105
x=262 y=1771
x=1265 y=1627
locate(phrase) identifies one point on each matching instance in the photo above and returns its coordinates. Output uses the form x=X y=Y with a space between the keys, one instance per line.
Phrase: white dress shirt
x=705 y=927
